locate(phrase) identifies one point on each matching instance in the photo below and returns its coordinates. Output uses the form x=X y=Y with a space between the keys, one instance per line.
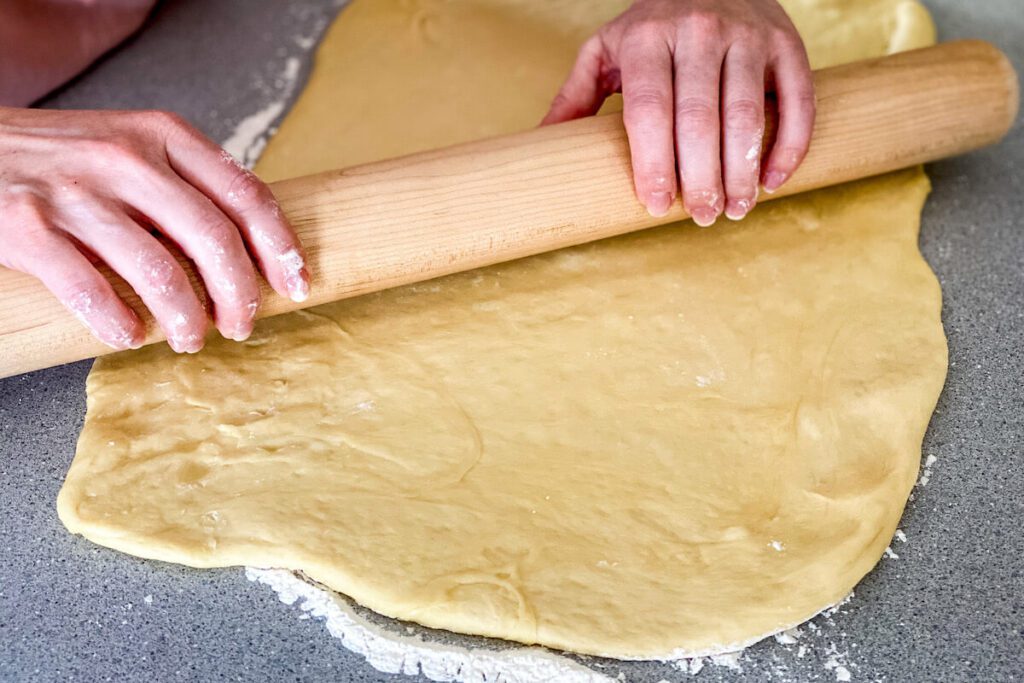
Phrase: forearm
x=44 y=43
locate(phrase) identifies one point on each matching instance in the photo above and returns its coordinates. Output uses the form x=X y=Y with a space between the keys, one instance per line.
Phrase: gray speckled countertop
x=951 y=607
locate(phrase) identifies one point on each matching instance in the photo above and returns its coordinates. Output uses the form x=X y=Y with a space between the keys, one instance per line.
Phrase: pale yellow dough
x=669 y=443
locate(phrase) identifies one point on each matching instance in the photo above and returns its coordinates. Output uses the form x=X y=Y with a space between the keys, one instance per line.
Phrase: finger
x=206 y=236
x=49 y=256
x=583 y=91
x=248 y=202
x=742 y=128
x=698 y=72
x=646 y=67
x=795 y=87
x=152 y=272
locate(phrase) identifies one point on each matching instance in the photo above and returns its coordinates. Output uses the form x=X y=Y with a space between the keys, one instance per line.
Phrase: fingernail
x=243 y=328
x=296 y=280
x=736 y=209
x=773 y=180
x=124 y=339
x=704 y=216
x=298 y=288
x=241 y=333
x=116 y=344
x=659 y=203
x=190 y=344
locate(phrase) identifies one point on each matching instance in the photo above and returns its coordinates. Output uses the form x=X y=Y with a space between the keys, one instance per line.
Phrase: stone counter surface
x=950 y=607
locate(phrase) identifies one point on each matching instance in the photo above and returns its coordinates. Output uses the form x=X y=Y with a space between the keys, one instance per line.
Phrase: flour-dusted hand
x=693 y=74
x=77 y=187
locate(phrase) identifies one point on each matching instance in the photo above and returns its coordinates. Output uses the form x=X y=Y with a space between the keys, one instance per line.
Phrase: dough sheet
x=670 y=443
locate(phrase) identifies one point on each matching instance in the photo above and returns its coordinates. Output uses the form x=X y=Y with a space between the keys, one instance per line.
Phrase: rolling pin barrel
x=419 y=217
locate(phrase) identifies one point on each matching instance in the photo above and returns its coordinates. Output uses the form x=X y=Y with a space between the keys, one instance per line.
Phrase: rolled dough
x=670 y=443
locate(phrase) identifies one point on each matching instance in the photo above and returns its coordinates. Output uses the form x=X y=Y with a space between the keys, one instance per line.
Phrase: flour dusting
x=246 y=143
x=926 y=470
x=409 y=651
x=394 y=653
x=836 y=663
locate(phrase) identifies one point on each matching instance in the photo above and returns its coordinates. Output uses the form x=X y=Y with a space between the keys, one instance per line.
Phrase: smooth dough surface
x=674 y=442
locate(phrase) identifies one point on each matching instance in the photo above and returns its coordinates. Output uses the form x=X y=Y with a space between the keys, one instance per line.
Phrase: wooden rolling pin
x=422 y=216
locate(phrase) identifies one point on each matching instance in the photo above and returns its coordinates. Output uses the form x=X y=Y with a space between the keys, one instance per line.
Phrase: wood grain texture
x=426 y=215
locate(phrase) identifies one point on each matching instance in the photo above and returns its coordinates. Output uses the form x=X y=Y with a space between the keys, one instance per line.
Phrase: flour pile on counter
x=669 y=444
x=410 y=654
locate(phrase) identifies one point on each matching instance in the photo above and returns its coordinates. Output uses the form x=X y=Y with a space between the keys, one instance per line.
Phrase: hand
x=80 y=186
x=693 y=74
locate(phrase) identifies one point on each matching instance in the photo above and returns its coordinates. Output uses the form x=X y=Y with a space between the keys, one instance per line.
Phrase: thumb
x=583 y=91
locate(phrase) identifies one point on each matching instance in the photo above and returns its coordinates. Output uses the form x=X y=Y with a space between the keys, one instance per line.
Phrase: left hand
x=693 y=75
x=82 y=187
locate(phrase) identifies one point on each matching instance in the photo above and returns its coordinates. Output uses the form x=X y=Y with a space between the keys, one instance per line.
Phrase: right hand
x=87 y=185
x=692 y=74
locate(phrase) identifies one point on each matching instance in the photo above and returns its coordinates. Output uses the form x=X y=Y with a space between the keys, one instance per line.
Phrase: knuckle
x=649 y=97
x=591 y=46
x=643 y=31
x=807 y=102
x=748 y=35
x=643 y=103
x=703 y=23
x=743 y=115
x=26 y=236
x=82 y=296
x=29 y=246
x=786 y=40
x=165 y=120
x=697 y=117
x=24 y=208
x=216 y=237
x=695 y=108
x=161 y=275
x=246 y=191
